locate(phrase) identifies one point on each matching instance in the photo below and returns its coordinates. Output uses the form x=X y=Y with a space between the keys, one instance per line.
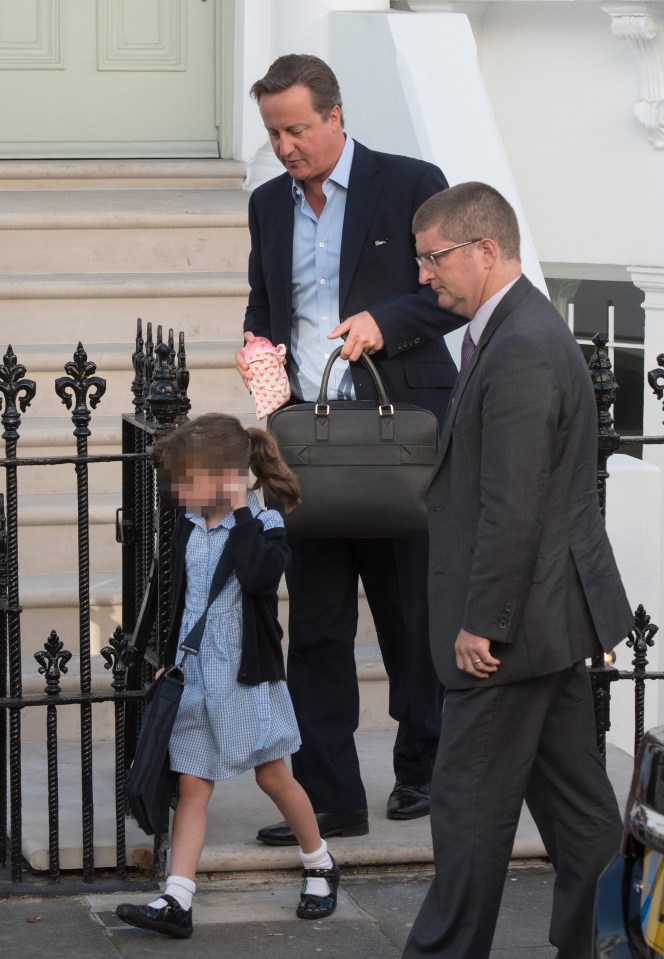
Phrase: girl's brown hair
x=216 y=441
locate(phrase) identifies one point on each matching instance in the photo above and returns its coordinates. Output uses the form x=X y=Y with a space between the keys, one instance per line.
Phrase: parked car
x=629 y=906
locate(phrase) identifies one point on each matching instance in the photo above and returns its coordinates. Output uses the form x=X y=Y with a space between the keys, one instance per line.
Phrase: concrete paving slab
x=42 y=927
x=253 y=919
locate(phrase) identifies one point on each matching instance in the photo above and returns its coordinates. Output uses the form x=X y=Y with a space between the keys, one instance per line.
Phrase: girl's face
x=210 y=492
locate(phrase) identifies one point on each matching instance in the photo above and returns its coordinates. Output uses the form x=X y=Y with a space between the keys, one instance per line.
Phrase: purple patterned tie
x=467 y=350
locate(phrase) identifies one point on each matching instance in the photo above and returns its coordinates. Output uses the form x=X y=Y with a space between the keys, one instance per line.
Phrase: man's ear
x=489 y=250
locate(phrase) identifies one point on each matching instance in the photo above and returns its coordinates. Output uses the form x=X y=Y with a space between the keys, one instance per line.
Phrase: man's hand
x=473 y=655
x=363 y=334
x=241 y=364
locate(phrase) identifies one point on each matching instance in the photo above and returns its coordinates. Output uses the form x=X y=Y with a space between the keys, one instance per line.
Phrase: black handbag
x=151 y=782
x=363 y=465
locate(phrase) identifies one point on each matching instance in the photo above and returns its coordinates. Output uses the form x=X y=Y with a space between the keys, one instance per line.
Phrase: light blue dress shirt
x=316 y=258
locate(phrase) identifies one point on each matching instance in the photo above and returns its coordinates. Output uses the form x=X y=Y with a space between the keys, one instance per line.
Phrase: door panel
x=107 y=78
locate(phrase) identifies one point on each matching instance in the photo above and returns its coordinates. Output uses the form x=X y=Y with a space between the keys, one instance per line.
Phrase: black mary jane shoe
x=318 y=907
x=171 y=920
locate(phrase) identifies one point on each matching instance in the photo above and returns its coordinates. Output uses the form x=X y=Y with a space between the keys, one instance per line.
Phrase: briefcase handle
x=383 y=401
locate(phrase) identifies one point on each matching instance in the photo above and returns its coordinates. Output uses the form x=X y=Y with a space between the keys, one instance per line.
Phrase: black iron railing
x=642 y=635
x=144 y=525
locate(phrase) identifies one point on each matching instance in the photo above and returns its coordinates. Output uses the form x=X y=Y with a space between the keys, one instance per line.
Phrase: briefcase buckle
x=322 y=409
x=387 y=410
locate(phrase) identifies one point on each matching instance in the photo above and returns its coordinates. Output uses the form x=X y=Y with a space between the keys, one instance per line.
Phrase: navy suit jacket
x=378 y=273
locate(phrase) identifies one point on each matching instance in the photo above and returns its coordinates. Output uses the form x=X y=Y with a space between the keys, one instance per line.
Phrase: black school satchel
x=151 y=782
x=363 y=465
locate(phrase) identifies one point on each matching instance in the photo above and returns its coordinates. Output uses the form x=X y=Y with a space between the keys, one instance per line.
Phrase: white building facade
x=557 y=103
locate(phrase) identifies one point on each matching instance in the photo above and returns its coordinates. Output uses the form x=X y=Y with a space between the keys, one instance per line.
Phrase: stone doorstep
x=57 y=433
x=214 y=382
x=60 y=509
x=238 y=808
x=54 y=435
x=111 y=174
x=123 y=209
x=77 y=286
x=116 y=357
x=123 y=243
x=369 y=662
x=371 y=677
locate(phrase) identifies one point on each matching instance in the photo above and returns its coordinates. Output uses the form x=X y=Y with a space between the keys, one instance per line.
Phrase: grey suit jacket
x=518 y=549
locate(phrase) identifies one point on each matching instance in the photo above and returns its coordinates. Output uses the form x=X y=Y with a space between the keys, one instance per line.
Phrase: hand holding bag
x=150 y=783
x=363 y=465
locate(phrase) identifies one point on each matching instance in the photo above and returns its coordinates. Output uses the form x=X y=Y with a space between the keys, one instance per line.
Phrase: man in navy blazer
x=331 y=255
x=523 y=587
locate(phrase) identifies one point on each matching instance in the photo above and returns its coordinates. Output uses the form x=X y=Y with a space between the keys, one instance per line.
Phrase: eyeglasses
x=429 y=259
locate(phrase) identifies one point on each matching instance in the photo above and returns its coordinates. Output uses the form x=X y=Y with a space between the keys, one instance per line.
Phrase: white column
x=651 y=281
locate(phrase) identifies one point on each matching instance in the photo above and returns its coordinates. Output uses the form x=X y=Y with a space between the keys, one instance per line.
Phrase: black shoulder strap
x=192 y=641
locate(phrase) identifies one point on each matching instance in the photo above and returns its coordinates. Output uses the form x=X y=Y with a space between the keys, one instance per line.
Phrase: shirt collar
x=479 y=321
x=341 y=173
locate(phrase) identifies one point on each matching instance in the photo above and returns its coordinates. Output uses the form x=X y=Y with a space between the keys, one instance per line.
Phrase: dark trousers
x=323 y=583
x=532 y=740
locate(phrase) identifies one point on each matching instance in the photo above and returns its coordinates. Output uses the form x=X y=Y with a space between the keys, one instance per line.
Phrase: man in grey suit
x=523 y=587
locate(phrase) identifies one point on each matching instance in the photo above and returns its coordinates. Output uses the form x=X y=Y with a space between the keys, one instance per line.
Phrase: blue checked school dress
x=224 y=728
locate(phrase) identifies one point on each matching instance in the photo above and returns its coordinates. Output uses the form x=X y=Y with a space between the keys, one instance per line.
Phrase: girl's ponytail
x=270 y=470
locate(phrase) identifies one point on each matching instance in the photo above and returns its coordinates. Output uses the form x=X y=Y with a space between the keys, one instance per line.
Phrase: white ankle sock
x=320 y=859
x=180 y=888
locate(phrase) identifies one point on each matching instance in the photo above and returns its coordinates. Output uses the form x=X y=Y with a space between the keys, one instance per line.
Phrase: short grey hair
x=471 y=210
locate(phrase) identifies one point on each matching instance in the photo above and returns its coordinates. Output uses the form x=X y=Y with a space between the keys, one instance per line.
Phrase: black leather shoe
x=172 y=919
x=318 y=907
x=409 y=802
x=354 y=823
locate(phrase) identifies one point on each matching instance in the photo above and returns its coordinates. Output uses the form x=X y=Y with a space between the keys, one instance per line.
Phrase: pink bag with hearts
x=269 y=385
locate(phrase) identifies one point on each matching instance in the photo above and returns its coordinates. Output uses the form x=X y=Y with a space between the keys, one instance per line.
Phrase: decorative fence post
x=84 y=386
x=608 y=442
x=13 y=387
x=3 y=681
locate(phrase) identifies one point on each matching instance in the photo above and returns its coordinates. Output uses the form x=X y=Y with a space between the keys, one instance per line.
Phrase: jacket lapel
x=364 y=188
x=506 y=305
x=282 y=215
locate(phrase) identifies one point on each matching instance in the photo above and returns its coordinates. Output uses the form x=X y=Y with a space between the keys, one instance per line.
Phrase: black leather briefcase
x=363 y=465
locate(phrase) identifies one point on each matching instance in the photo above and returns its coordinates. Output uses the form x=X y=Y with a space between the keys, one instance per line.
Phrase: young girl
x=235 y=713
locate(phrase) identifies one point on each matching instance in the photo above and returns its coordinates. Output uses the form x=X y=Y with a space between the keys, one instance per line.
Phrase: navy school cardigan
x=260 y=557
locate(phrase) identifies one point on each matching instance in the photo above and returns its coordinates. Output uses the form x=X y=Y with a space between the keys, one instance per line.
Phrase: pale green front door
x=110 y=78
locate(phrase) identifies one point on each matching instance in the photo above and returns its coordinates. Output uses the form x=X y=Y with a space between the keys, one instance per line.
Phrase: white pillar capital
x=650 y=279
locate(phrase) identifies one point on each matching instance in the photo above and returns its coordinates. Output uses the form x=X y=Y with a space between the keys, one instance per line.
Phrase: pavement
x=255 y=919
x=247 y=892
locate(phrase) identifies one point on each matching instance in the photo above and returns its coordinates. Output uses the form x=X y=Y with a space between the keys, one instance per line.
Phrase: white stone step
x=370 y=673
x=123 y=231
x=127 y=174
x=237 y=810
x=51 y=602
x=214 y=382
x=48 y=533
x=98 y=307
x=45 y=436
